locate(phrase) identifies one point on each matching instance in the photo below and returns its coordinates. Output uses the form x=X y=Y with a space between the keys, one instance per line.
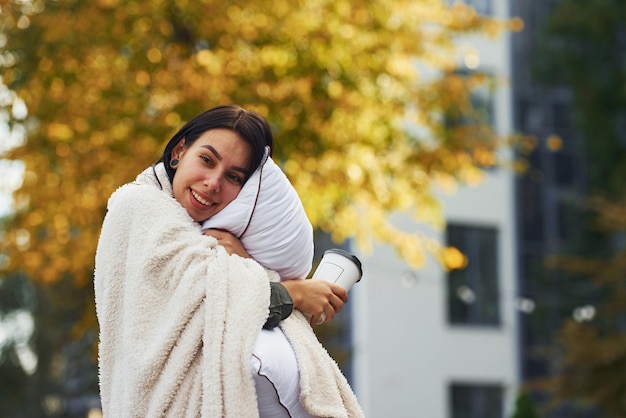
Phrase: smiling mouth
x=200 y=199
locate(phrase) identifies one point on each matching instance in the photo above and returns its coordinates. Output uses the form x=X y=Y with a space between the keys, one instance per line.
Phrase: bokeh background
x=380 y=109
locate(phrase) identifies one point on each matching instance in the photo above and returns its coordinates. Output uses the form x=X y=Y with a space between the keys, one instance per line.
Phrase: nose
x=212 y=182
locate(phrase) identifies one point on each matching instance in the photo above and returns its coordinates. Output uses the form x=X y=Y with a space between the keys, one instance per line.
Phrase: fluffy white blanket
x=178 y=318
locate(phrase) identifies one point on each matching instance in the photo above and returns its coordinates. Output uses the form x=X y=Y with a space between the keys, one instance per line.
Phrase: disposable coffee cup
x=339 y=267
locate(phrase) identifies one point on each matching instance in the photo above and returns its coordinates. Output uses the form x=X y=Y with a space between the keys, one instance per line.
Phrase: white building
x=430 y=345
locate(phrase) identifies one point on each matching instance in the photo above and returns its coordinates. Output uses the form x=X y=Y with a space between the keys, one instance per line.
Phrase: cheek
x=184 y=177
x=230 y=193
x=176 y=189
x=180 y=182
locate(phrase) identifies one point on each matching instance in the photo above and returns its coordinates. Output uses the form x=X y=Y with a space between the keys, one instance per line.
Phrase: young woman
x=179 y=314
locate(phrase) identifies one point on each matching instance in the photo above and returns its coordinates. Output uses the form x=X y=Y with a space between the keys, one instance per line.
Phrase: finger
x=337 y=303
x=340 y=292
x=215 y=233
x=321 y=319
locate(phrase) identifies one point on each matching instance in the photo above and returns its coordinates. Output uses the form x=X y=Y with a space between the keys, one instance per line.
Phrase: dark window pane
x=461 y=401
x=568 y=220
x=473 y=292
x=564 y=169
x=561 y=118
x=529 y=116
x=476 y=400
x=532 y=201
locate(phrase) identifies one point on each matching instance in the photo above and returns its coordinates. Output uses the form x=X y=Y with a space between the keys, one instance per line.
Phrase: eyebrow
x=219 y=157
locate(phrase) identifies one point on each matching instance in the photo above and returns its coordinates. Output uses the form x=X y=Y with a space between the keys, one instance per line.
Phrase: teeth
x=200 y=199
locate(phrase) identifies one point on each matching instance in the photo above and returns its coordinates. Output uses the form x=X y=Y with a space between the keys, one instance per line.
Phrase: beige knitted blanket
x=178 y=318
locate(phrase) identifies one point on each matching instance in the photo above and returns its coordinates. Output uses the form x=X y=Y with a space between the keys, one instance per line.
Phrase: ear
x=178 y=150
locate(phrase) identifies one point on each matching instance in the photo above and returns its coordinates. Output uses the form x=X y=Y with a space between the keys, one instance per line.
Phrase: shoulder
x=135 y=194
x=144 y=200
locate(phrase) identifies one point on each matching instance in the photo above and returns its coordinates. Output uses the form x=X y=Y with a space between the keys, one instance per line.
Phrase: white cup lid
x=350 y=256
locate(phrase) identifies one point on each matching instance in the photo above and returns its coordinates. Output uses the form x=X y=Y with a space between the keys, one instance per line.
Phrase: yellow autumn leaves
x=355 y=92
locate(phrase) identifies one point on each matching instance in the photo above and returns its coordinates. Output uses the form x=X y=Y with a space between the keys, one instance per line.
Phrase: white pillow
x=269 y=219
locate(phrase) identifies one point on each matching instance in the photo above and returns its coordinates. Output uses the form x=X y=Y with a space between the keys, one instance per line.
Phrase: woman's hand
x=227 y=240
x=319 y=300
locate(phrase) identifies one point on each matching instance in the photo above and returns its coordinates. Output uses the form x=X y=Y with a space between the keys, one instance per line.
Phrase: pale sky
x=13 y=112
x=11 y=173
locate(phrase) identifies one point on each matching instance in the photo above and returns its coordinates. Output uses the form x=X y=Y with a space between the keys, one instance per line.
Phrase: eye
x=235 y=178
x=206 y=159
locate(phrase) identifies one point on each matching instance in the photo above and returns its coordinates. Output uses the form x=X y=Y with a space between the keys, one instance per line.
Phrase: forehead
x=223 y=136
x=228 y=144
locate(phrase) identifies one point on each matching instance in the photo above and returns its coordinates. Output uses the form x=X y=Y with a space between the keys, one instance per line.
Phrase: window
x=569 y=218
x=529 y=115
x=473 y=293
x=482 y=7
x=530 y=196
x=565 y=168
x=561 y=117
x=480 y=87
x=469 y=119
x=482 y=101
x=476 y=400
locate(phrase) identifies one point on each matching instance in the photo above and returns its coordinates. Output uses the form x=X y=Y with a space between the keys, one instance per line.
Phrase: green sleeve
x=281 y=305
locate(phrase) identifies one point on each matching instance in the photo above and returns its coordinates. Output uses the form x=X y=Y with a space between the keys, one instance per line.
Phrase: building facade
x=427 y=343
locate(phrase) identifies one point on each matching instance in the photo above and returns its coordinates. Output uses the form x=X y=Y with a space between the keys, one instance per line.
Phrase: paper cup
x=339 y=267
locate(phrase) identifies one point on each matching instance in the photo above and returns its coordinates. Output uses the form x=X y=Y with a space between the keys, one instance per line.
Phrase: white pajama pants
x=276 y=376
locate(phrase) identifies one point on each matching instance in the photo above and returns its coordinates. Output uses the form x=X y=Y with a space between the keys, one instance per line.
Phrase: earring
x=174 y=163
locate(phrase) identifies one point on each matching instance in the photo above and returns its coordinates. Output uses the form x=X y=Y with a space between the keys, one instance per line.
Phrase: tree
x=524 y=407
x=356 y=92
x=107 y=82
x=593 y=346
x=583 y=50
x=587 y=56
x=17 y=395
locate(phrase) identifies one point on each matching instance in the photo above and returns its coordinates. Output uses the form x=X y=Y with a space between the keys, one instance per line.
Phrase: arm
x=318 y=299
x=228 y=241
x=281 y=303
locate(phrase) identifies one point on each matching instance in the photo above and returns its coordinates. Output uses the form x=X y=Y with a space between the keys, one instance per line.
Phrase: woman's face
x=210 y=172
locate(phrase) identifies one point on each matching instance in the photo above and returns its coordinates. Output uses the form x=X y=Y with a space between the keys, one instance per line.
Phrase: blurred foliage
x=359 y=95
x=524 y=407
x=47 y=362
x=107 y=82
x=587 y=55
x=582 y=49
x=593 y=363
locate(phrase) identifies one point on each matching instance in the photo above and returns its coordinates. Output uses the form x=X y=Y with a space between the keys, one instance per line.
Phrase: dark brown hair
x=250 y=126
